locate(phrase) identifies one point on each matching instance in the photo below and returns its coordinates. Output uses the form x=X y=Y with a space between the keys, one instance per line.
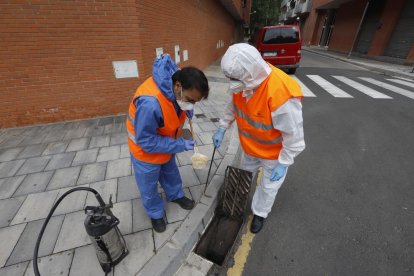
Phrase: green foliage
x=264 y=13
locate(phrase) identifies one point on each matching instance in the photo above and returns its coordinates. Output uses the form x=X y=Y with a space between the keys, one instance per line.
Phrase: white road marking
x=329 y=87
x=362 y=88
x=305 y=90
x=390 y=87
x=406 y=83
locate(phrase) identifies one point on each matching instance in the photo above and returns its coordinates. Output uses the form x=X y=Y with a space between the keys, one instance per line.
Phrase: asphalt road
x=347 y=205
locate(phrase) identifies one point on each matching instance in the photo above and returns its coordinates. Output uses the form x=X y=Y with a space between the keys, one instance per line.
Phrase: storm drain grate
x=235 y=192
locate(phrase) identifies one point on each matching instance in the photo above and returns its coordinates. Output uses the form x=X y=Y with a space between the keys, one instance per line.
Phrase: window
x=281 y=36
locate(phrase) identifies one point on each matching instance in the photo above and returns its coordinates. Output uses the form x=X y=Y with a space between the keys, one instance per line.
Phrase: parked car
x=280 y=46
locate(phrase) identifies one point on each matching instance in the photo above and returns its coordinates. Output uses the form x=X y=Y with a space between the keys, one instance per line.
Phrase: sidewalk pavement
x=390 y=69
x=39 y=163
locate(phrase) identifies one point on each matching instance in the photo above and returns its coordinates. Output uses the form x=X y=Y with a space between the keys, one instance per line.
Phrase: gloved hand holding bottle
x=278 y=172
x=218 y=137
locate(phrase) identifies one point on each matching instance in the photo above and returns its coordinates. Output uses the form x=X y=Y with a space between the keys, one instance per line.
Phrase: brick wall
x=56 y=56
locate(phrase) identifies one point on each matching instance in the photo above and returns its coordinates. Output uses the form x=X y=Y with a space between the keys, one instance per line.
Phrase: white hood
x=243 y=62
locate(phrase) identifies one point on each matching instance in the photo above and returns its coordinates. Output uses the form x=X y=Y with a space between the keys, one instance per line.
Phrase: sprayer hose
x=39 y=238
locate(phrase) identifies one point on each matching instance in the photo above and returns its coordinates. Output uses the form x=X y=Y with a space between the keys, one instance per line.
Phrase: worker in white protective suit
x=266 y=104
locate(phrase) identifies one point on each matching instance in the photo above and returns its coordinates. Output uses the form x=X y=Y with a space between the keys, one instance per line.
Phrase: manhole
x=219 y=237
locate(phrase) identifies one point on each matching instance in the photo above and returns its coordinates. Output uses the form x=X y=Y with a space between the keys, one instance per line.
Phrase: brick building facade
x=379 y=29
x=57 y=56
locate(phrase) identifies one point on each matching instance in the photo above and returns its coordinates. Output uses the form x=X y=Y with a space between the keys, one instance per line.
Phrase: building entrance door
x=327 y=28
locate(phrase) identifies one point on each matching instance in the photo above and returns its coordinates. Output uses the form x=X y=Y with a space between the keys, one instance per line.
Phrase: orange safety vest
x=254 y=118
x=172 y=123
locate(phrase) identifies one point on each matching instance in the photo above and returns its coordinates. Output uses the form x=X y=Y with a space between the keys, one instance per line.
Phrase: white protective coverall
x=243 y=62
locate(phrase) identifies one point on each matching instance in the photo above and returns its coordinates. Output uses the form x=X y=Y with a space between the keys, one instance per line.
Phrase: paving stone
x=161 y=238
x=31 y=151
x=85 y=262
x=36 y=206
x=113 y=128
x=9 y=168
x=14 y=270
x=208 y=126
x=108 y=153
x=94 y=131
x=55 y=147
x=106 y=121
x=185 y=157
x=63 y=178
x=105 y=189
x=118 y=168
x=141 y=249
x=99 y=141
x=206 y=137
x=88 y=123
x=72 y=202
x=8 y=209
x=188 y=176
x=78 y=144
x=123 y=211
x=23 y=251
x=127 y=188
x=174 y=212
x=197 y=192
x=35 y=164
x=9 y=154
x=54 y=136
x=74 y=133
x=92 y=173
x=8 y=239
x=125 y=151
x=119 y=138
x=202 y=174
x=59 y=161
x=12 y=142
x=120 y=119
x=140 y=219
x=85 y=157
x=73 y=232
x=34 y=183
x=9 y=185
x=53 y=265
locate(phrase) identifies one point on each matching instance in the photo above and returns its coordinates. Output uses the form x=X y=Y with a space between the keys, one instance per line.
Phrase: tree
x=264 y=13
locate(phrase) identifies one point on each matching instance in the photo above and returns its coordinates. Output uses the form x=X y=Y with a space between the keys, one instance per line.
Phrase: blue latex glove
x=278 y=172
x=190 y=113
x=189 y=144
x=218 y=137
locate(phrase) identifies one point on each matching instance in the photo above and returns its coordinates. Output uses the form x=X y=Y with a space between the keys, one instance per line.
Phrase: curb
x=174 y=252
x=364 y=65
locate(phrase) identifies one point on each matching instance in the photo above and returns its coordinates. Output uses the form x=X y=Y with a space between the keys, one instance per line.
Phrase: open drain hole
x=218 y=240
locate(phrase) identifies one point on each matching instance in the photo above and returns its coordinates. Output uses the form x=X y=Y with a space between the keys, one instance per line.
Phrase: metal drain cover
x=235 y=193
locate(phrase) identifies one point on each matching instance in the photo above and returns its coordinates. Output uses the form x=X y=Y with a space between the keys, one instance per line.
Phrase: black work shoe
x=257 y=224
x=185 y=203
x=158 y=225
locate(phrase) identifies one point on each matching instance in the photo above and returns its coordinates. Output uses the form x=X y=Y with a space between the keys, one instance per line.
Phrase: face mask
x=185 y=106
x=236 y=86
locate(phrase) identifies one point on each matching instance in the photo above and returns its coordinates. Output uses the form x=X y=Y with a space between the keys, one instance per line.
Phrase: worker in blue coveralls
x=155 y=120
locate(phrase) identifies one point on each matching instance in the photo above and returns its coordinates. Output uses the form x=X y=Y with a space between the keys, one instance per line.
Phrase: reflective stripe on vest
x=259 y=125
x=266 y=142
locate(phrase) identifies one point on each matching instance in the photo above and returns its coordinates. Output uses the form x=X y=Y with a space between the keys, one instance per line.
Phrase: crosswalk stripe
x=329 y=87
x=406 y=83
x=362 y=88
x=305 y=90
x=392 y=88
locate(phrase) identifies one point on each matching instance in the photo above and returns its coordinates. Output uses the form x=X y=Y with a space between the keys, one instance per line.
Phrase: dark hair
x=191 y=77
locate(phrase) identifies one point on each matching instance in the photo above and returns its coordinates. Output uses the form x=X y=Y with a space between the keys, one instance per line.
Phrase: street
x=346 y=207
